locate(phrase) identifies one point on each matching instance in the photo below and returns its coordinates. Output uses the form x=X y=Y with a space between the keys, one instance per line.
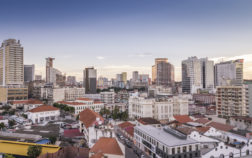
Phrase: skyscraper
x=135 y=76
x=163 y=72
x=89 y=80
x=11 y=63
x=29 y=73
x=53 y=75
x=191 y=75
x=207 y=74
x=124 y=77
x=49 y=66
x=229 y=73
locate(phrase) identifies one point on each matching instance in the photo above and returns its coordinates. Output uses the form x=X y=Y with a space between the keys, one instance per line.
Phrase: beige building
x=11 y=63
x=124 y=77
x=232 y=101
x=8 y=93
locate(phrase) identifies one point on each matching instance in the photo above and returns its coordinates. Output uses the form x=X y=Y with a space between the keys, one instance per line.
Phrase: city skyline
x=88 y=33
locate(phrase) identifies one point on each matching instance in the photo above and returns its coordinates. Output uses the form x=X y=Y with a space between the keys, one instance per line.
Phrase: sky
x=127 y=35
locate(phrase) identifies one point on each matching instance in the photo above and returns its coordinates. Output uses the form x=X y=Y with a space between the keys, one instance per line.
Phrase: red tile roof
x=70 y=133
x=85 y=99
x=185 y=130
x=220 y=126
x=202 y=129
x=97 y=155
x=148 y=121
x=182 y=118
x=202 y=121
x=107 y=146
x=70 y=103
x=88 y=117
x=128 y=127
x=44 y=108
x=30 y=101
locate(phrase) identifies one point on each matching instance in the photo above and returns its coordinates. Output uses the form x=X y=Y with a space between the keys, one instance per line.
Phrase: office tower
x=191 y=75
x=124 y=77
x=89 y=80
x=163 y=72
x=71 y=80
x=207 y=74
x=29 y=73
x=229 y=73
x=232 y=101
x=38 y=77
x=11 y=63
x=49 y=66
x=135 y=76
x=53 y=75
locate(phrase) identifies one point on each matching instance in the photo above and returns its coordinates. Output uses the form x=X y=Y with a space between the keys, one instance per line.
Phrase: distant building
x=163 y=72
x=10 y=93
x=54 y=76
x=89 y=80
x=108 y=97
x=71 y=80
x=38 y=77
x=207 y=74
x=232 y=101
x=124 y=77
x=11 y=63
x=229 y=73
x=29 y=73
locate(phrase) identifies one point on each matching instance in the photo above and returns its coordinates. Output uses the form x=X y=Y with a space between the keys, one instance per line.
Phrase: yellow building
x=124 y=77
x=13 y=93
x=21 y=148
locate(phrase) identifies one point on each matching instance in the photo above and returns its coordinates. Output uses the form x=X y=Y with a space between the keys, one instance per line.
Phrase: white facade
x=43 y=116
x=108 y=97
x=181 y=104
x=74 y=93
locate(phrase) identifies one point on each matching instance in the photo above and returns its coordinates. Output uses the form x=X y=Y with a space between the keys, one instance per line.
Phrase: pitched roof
x=88 y=117
x=128 y=127
x=202 y=129
x=107 y=146
x=30 y=101
x=245 y=118
x=220 y=126
x=185 y=130
x=70 y=133
x=202 y=120
x=97 y=155
x=44 y=108
x=84 y=99
x=148 y=121
x=182 y=118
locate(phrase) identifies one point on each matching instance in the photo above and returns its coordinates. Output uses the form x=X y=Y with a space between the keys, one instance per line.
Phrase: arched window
x=222 y=156
x=247 y=152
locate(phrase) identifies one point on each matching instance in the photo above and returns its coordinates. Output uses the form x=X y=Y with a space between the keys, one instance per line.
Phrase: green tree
x=8 y=156
x=52 y=139
x=34 y=151
x=12 y=123
x=2 y=126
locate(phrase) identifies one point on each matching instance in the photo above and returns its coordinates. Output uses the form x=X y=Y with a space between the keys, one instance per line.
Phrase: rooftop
x=107 y=146
x=89 y=117
x=202 y=120
x=30 y=101
x=162 y=136
x=43 y=108
x=84 y=99
x=220 y=126
x=182 y=118
x=148 y=121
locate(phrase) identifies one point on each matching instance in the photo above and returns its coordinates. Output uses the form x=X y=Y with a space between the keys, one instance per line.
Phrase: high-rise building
x=89 y=80
x=38 y=77
x=11 y=63
x=163 y=72
x=71 y=80
x=49 y=66
x=54 y=76
x=207 y=74
x=232 y=101
x=124 y=77
x=191 y=75
x=135 y=76
x=29 y=73
x=229 y=73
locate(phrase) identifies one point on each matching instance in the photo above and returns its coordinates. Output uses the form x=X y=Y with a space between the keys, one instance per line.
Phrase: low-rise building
x=165 y=142
x=108 y=97
x=26 y=104
x=10 y=93
x=241 y=122
x=44 y=113
x=72 y=94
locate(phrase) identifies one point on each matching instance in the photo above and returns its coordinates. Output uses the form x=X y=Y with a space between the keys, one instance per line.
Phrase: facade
x=38 y=77
x=207 y=76
x=29 y=73
x=229 y=73
x=44 y=113
x=165 y=142
x=232 y=101
x=10 y=93
x=26 y=104
x=181 y=104
x=191 y=75
x=71 y=80
x=82 y=103
x=124 y=77
x=163 y=72
x=54 y=76
x=205 y=99
x=72 y=94
x=11 y=63
x=108 y=97
x=89 y=80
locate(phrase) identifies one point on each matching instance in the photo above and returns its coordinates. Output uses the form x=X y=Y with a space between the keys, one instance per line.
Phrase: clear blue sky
x=126 y=35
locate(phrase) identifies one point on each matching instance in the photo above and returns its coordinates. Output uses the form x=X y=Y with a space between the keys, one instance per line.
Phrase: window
x=184 y=149
x=173 y=150
x=178 y=150
x=190 y=148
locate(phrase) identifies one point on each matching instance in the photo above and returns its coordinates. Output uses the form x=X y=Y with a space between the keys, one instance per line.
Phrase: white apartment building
x=232 y=101
x=82 y=103
x=44 y=113
x=165 y=142
x=108 y=97
x=52 y=94
x=160 y=109
x=72 y=94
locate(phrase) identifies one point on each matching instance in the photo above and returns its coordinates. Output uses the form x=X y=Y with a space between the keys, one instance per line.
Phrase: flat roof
x=165 y=138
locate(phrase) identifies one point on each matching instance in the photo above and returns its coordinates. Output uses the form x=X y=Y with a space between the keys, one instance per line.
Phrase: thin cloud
x=100 y=57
